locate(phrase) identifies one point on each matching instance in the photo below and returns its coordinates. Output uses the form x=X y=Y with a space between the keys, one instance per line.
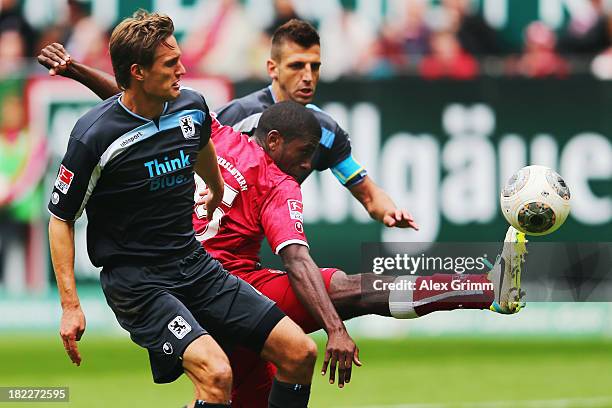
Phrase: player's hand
x=399 y=218
x=55 y=58
x=341 y=352
x=210 y=200
x=71 y=330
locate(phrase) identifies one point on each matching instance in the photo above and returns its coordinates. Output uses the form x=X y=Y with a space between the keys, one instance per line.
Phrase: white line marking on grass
x=599 y=402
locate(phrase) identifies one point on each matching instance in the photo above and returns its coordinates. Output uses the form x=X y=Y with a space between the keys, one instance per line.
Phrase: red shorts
x=252 y=375
x=275 y=285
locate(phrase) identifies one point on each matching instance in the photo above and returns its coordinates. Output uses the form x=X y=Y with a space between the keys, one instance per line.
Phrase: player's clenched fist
x=55 y=58
x=341 y=352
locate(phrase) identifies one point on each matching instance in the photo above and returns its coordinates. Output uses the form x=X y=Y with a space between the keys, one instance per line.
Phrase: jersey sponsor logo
x=64 y=179
x=179 y=327
x=299 y=227
x=295 y=210
x=131 y=139
x=158 y=171
x=55 y=198
x=159 y=168
x=167 y=348
x=187 y=126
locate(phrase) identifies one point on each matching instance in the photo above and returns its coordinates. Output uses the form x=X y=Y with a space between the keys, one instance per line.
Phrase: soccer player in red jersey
x=262 y=200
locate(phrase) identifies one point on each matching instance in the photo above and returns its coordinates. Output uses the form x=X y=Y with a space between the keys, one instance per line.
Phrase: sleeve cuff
x=356 y=179
x=60 y=215
x=290 y=242
x=349 y=171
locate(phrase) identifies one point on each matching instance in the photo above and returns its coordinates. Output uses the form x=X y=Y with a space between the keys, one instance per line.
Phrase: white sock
x=401 y=305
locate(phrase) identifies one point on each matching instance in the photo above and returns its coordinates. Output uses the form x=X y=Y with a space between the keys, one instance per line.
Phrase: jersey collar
x=137 y=115
x=272 y=93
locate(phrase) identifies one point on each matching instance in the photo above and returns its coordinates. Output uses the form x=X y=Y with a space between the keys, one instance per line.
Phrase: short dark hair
x=291 y=119
x=134 y=41
x=297 y=31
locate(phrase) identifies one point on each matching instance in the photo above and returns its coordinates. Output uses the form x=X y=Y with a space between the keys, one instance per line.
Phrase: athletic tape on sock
x=401 y=305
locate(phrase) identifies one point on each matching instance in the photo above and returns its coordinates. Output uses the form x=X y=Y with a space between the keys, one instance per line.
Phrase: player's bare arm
x=207 y=168
x=380 y=206
x=305 y=278
x=72 y=326
x=58 y=61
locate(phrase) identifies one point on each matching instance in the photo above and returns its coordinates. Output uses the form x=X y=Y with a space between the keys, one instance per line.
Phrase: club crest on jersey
x=64 y=179
x=179 y=327
x=295 y=210
x=187 y=126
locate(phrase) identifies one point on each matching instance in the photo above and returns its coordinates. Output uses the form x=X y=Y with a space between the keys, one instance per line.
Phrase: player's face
x=297 y=72
x=294 y=157
x=162 y=79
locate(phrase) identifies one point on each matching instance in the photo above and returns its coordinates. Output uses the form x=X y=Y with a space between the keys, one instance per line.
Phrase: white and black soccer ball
x=535 y=200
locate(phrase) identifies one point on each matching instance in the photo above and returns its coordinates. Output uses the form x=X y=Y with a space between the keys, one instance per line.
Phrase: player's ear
x=137 y=72
x=272 y=69
x=274 y=140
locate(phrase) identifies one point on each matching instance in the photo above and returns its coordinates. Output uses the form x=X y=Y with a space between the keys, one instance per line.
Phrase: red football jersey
x=259 y=201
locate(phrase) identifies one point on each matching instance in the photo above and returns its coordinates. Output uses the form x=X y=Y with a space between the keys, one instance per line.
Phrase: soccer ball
x=535 y=200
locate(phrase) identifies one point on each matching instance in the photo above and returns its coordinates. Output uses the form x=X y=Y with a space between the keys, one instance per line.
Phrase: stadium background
x=440 y=145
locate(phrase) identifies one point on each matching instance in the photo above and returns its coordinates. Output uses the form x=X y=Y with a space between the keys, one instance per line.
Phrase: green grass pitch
x=411 y=372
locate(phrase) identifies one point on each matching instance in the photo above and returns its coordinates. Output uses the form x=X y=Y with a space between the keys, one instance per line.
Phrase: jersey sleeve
x=343 y=165
x=281 y=217
x=77 y=176
x=234 y=115
x=230 y=114
x=205 y=131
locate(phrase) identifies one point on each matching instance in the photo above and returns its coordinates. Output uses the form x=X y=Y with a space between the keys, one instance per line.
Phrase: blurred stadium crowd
x=434 y=39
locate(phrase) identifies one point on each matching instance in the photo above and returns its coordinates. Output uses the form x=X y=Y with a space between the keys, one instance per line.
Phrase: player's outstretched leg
x=408 y=297
x=294 y=354
x=208 y=367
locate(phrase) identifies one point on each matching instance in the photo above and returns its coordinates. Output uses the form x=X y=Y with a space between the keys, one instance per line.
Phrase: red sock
x=448 y=292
